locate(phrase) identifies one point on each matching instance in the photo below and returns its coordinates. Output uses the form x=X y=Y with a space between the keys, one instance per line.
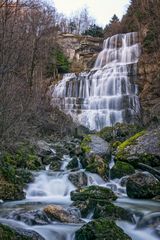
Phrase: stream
x=54 y=188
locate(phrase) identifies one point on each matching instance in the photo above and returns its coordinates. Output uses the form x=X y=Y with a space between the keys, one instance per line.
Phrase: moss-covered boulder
x=101 y=229
x=119 y=132
x=97 y=164
x=142 y=186
x=8 y=233
x=121 y=169
x=11 y=191
x=86 y=199
x=93 y=192
x=143 y=147
x=96 y=154
x=73 y=163
x=112 y=212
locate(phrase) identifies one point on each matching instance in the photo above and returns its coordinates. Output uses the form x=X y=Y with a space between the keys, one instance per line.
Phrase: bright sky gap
x=101 y=10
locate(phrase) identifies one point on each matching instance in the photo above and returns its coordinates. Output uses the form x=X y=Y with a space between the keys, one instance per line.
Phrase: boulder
x=9 y=233
x=121 y=169
x=99 y=146
x=142 y=185
x=55 y=212
x=73 y=163
x=86 y=199
x=112 y=212
x=101 y=229
x=34 y=217
x=43 y=148
x=143 y=147
x=93 y=192
x=78 y=179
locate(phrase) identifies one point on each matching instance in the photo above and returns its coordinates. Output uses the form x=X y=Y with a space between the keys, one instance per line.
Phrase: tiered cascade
x=108 y=93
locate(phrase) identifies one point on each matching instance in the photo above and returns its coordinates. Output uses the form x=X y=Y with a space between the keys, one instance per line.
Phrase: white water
x=50 y=186
x=107 y=94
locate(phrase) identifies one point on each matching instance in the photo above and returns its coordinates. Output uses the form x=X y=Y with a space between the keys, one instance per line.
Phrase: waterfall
x=108 y=93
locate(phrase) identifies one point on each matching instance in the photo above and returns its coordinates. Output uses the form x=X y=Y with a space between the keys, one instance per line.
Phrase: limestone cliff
x=81 y=50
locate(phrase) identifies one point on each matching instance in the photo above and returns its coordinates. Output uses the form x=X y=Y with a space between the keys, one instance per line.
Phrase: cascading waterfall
x=108 y=93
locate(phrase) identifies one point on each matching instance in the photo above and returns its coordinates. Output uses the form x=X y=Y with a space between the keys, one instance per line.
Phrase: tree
x=27 y=32
x=114 y=27
x=94 y=31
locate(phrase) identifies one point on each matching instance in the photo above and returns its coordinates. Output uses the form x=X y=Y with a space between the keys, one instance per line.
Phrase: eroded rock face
x=81 y=50
x=143 y=186
x=149 y=86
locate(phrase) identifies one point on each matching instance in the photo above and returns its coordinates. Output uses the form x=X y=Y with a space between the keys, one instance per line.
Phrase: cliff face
x=149 y=86
x=81 y=50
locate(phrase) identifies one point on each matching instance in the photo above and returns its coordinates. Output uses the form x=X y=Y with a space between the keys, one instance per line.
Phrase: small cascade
x=108 y=93
x=48 y=186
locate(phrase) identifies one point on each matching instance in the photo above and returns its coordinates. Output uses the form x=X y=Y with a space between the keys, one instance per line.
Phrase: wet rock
x=93 y=192
x=35 y=217
x=86 y=199
x=97 y=164
x=78 y=179
x=112 y=212
x=55 y=212
x=142 y=185
x=55 y=165
x=101 y=229
x=73 y=163
x=151 y=220
x=9 y=233
x=121 y=169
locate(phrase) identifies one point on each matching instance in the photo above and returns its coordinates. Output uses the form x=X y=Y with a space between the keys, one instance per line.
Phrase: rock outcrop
x=81 y=50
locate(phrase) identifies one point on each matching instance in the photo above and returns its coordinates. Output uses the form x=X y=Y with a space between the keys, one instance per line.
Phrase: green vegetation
x=121 y=169
x=84 y=144
x=94 y=31
x=101 y=228
x=58 y=63
x=131 y=141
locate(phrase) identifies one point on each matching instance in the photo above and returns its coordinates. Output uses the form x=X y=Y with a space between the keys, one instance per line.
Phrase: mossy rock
x=10 y=191
x=101 y=229
x=142 y=186
x=122 y=153
x=55 y=166
x=7 y=233
x=119 y=132
x=121 y=169
x=97 y=164
x=93 y=192
x=110 y=211
x=85 y=144
x=73 y=163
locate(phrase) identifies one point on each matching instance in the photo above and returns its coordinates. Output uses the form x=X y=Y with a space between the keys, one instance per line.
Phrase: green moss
x=110 y=211
x=101 y=229
x=84 y=144
x=121 y=169
x=131 y=141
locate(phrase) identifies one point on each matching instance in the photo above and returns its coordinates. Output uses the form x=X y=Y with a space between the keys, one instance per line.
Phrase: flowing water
x=108 y=93
x=54 y=187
